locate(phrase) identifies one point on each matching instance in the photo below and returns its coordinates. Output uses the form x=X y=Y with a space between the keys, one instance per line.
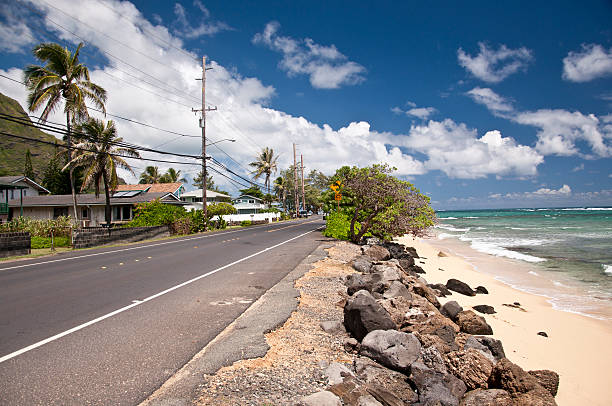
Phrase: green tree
x=151 y=174
x=27 y=168
x=254 y=191
x=99 y=155
x=265 y=164
x=381 y=204
x=56 y=180
x=172 y=176
x=62 y=78
x=280 y=188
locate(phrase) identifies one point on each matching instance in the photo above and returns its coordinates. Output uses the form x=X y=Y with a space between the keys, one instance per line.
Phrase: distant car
x=303 y=213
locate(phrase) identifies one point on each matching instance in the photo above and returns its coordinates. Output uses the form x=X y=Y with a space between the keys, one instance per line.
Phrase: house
x=90 y=208
x=16 y=187
x=194 y=198
x=247 y=204
x=176 y=188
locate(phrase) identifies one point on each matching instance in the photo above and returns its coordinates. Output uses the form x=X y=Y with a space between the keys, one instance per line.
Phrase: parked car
x=303 y=213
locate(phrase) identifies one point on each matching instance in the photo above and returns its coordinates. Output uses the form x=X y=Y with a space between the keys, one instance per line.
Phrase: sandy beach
x=578 y=348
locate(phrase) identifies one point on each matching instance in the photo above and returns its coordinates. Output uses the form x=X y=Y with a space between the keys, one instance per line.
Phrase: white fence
x=269 y=217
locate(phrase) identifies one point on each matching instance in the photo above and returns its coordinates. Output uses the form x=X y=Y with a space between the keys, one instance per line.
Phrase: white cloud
x=458 y=152
x=326 y=67
x=563 y=190
x=559 y=130
x=493 y=66
x=592 y=62
x=14 y=34
x=578 y=168
x=419 y=112
x=490 y=99
x=205 y=28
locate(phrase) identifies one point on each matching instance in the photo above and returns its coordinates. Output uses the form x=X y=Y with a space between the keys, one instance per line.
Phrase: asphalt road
x=109 y=326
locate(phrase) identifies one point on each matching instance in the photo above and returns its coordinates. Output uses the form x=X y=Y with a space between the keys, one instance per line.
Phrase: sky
x=480 y=105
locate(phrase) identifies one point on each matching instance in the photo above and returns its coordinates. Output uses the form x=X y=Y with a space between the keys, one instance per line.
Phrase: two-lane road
x=109 y=326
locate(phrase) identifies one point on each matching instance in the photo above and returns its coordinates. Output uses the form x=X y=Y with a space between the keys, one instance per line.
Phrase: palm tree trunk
x=71 y=169
x=107 y=206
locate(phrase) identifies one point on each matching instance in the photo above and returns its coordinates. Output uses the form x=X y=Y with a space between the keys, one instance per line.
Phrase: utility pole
x=303 y=194
x=295 y=184
x=203 y=127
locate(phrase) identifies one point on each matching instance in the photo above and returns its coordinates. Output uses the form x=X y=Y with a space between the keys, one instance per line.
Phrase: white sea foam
x=449 y=218
x=471 y=217
x=607 y=269
x=498 y=250
x=588 y=209
x=450 y=228
x=443 y=236
x=533 y=273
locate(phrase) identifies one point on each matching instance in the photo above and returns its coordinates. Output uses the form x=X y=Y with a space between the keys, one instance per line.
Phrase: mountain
x=13 y=150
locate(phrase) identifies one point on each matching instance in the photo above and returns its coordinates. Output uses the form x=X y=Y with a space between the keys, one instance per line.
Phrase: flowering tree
x=382 y=205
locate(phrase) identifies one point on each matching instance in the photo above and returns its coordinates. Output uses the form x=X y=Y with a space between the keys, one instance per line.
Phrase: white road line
x=138 y=303
x=120 y=250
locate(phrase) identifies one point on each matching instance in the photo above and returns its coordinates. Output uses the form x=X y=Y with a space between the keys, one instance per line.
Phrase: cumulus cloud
x=578 y=168
x=414 y=111
x=326 y=67
x=562 y=191
x=591 y=62
x=494 y=102
x=457 y=151
x=493 y=66
x=559 y=131
x=206 y=27
x=15 y=35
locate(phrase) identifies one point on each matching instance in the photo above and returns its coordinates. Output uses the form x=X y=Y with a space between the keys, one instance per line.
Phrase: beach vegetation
x=372 y=201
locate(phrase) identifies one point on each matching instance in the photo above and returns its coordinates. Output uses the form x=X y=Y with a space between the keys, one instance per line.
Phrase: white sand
x=578 y=348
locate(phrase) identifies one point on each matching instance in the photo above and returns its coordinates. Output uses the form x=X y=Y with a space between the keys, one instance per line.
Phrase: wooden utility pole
x=303 y=194
x=203 y=127
x=295 y=184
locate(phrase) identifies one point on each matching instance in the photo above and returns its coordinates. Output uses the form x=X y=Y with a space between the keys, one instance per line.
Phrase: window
x=116 y=213
x=25 y=192
x=60 y=211
x=85 y=213
x=251 y=201
x=126 y=212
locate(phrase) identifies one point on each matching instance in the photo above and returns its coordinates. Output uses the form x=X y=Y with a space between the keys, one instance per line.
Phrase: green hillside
x=13 y=150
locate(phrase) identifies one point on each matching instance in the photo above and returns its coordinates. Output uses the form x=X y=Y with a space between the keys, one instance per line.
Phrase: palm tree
x=172 y=176
x=280 y=188
x=264 y=165
x=62 y=78
x=150 y=175
x=99 y=155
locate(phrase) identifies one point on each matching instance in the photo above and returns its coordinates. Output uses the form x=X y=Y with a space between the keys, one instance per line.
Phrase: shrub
x=181 y=226
x=62 y=226
x=245 y=223
x=156 y=213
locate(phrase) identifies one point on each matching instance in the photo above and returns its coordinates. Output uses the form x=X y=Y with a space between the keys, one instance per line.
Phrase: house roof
x=92 y=200
x=16 y=179
x=152 y=187
x=249 y=196
x=209 y=193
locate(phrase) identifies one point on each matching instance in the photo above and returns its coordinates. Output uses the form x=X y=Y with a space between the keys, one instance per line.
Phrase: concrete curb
x=242 y=339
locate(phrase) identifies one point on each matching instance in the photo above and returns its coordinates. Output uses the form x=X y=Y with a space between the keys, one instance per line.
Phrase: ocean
x=572 y=247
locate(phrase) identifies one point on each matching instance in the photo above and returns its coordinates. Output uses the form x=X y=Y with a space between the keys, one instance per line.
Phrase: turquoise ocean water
x=563 y=244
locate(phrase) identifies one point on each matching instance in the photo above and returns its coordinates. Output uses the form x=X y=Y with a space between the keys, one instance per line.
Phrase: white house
x=194 y=198
x=247 y=204
x=16 y=187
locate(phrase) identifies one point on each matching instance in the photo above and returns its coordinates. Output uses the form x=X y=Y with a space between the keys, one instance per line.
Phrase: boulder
x=481 y=289
x=522 y=387
x=393 y=349
x=356 y=282
x=432 y=358
x=397 y=289
x=362 y=263
x=435 y=388
x=416 y=269
x=377 y=253
x=446 y=333
x=323 y=398
x=362 y=314
x=395 y=250
x=486 y=397
x=460 y=287
x=388 y=273
x=489 y=346
x=471 y=323
x=368 y=400
x=336 y=372
x=548 y=379
x=441 y=288
x=351 y=345
x=451 y=310
x=332 y=327
x=422 y=289
x=384 y=396
x=349 y=391
x=406 y=262
x=375 y=374
x=429 y=340
x=485 y=309
x=412 y=252
x=472 y=367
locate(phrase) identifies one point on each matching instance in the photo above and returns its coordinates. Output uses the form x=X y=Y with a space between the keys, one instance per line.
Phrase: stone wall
x=18 y=243
x=90 y=237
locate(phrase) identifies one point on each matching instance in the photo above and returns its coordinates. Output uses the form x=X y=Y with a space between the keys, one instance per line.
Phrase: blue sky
x=483 y=105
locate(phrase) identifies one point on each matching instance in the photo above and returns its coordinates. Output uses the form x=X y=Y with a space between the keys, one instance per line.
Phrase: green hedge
x=45 y=242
